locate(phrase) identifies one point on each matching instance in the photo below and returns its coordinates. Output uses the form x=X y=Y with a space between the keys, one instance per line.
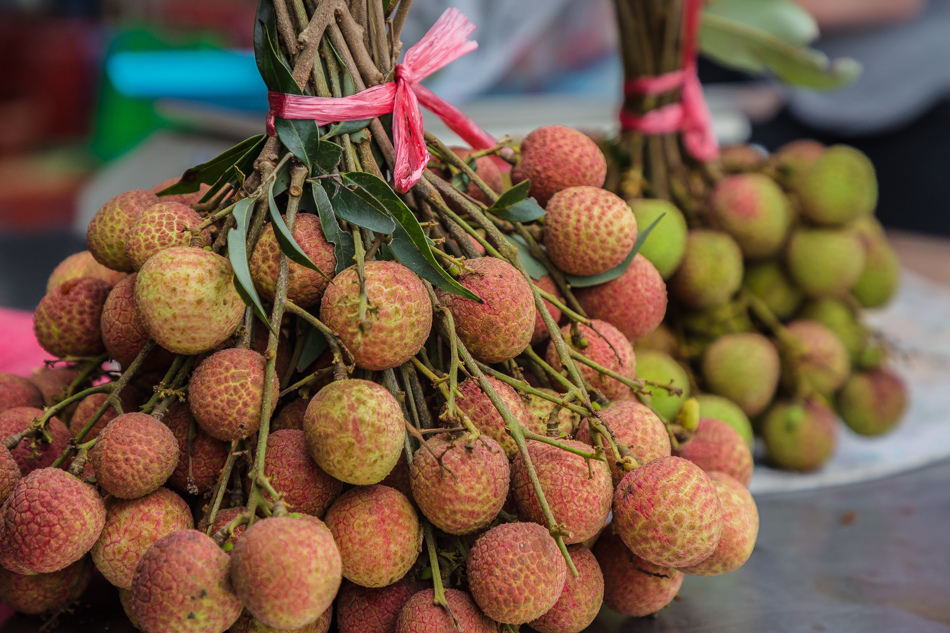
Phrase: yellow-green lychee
x=710 y=272
x=769 y=281
x=662 y=369
x=872 y=402
x=110 y=227
x=753 y=209
x=824 y=262
x=838 y=187
x=743 y=367
x=713 y=406
x=666 y=243
x=162 y=226
x=800 y=435
x=881 y=273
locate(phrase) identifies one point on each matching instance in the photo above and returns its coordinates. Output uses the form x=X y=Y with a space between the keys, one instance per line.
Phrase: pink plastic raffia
x=442 y=44
x=691 y=115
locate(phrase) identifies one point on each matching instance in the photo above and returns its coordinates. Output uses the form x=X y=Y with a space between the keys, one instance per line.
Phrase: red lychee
x=42 y=593
x=478 y=407
x=633 y=586
x=81 y=264
x=716 y=446
x=555 y=157
x=634 y=302
x=33 y=453
x=580 y=600
x=129 y=400
x=304 y=485
x=66 y=322
x=17 y=391
x=134 y=455
x=740 y=527
x=634 y=425
x=421 y=614
x=123 y=330
x=606 y=346
x=540 y=329
x=200 y=456
x=160 y=226
x=305 y=286
x=369 y=610
x=110 y=227
x=9 y=473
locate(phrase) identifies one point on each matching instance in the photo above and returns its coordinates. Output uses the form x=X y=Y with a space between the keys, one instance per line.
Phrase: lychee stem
x=166 y=380
x=524 y=387
x=587 y=455
x=636 y=384
x=38 y=425
x=571 y=314
x=342 y=366
x=458 y=413
x=90 y=367
x=221 y=485
x=438 y=590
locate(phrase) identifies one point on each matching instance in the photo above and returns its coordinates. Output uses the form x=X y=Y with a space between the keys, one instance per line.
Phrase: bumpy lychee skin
x=305 y=286
x=838 y=187
x=710 y=272
x=579 y=601
x=516 y=572
x=226 y=393
x=667 y=512
x=187 y=299
x=872 y=402
x=51 y=520
x=666 y=243
x=725 y=410
x=740 y=527
x=355 y=430
x=130 y=529
x=9 y=474
x=634 y=425
x=134 y=455
x=588 y=230
x=606 y=346
x=290 y=415
x=540 y=329
x=769 y=281
x=290 y=469
x=478 y=407
x=633 y=586
x=369 y=610
x=420 y=614
x=378 y=533
x=66 y=321
x=399 y=317
x=661 y=368
x=880 y=276
x=539 y=411
x=110 y=227
x=123 y=330
x=33 y=453
x=743 y=367
x=17 y=391
x=579 y=494
x=286 y=571
x=129 y=399
x=162 y=226
x=466 y=492
x=824 y=262
x=500 y=328
x=200 y=459
x=181 y=585
x=820 y=357
x=753 y=209
x=52 y=383
x=800 y=437
x=41 y=593
x=222 y=519
x=634 y=302
x=248 y=624
x=81 y=264
x=716 y=446
x=554 y=158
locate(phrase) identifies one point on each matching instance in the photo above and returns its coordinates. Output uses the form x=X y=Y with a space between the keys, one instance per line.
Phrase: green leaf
x=211 y=172
x=784 y=19
x=409 y=243
x=348 y=127
x=314 y=344
x=285 y=239
x=534 y=267
x=270 y=63
x=461 y=181
x=237 y=253
x=513 y=196
x=343 y=248
x=616 y=271
x=356 y=209
x=515 y=206
x=326 y=158
x=301 y=137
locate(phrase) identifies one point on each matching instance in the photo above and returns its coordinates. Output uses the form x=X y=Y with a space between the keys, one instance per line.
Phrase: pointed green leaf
x=237 y=253
x=515 y=206
x=274 y=70
x=512 y=197
x=616 y=271
x=210 y=172
x=348 y=127
x=461 y=181
x=326 y=158
x=355 y=209
x=343 y=247
x=534 y=267
x=300 y=136
x=314 y=344
x=409 y=243
x=285 y=239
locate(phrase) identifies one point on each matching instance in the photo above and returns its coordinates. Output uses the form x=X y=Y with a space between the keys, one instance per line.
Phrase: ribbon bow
x=691 y=115
x=442 y=44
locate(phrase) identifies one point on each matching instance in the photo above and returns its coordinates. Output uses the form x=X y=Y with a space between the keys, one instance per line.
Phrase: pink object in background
x=19 y=352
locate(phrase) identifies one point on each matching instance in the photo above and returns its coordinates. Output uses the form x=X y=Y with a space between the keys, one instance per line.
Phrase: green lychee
x=769 y=281
x=795 y=157
x=554 y=158
x=713 y=406
x=608 y=347
x=743 y=367
x=881 y=273
x=633 y=586
x=839 y=317
x=662 y=339
x=815 y=356
x=666 y=244
x=838 y=187
x=66 y=321
x=716 y=446
x=754 y=210
x=824 y=262
x=800 y=436
x=662 y=369
x=580 y=599
x=110 y=227
x=634 y=302
x=872 y=402
x=162 y=226
x=710 y=272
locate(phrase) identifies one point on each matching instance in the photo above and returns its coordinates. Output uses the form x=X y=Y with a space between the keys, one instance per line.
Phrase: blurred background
x=102 y=96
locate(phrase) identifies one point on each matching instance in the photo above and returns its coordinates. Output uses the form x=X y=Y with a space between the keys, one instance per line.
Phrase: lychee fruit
x=200 y=456
x=516 y=572
x=818 y=357
x=53 y=382
x=769 y=281
x=634 y=302
x=223 y=519
x=539 y=412
x=303 y=485
x=800 y=436
x=286 y=571
x=181 y=585
x=741 y=157
x=795 y=157
x=635 y=426
x=373 y=610
x=81 y=264
x=554 y=158
x=187 y=299
x=33 y=594
x=838 y=187
x=378 y=533
x=881 y=273
x=500 y=327
x=662 y=369
x=160 y=226
x=398 y=477
x=110 y=228
x=478 y=407
x=66 y=321
x=588 y=230
x=187 y=199
x=129 y=400
x=632 y=586
x=123 y=330
x=290 y=415
x=131 y=527
x=743 y=367
x=710 y=272
x=540 y=329
x=872 y=402
x=9 y=474
x=17 y=391
x=753 y=209
x=398 y=315
x=580 y=599
x=824 y=262
x=421 y=614
x=51 y=519
x=608 y=347
x=724 y=409
x=662 y=339
x=226 y=393
x=459 y=487
x=248 y=624
x=666 y=244
x=668 y=513
x=740 y=527
x=716 y=446
x=355 y=431
x=579 y=492
x=305 y=286
x=33 y=453
x=134 y=455
x=839 y=317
